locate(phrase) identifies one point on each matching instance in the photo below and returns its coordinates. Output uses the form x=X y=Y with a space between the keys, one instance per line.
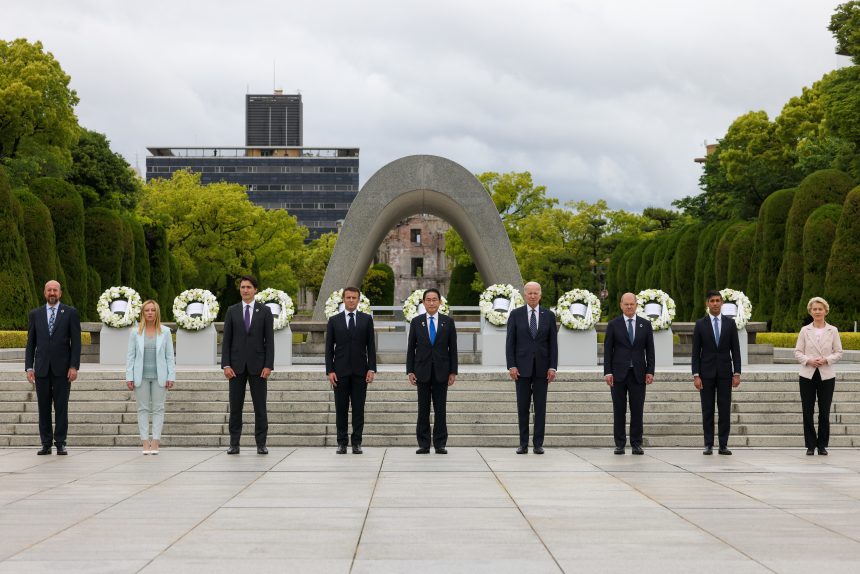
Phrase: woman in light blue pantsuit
x=150 y=371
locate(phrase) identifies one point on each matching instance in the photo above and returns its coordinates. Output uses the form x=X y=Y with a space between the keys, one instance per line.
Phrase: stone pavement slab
x=475 y=510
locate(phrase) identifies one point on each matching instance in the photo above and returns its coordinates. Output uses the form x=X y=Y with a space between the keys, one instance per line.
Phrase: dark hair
x=351 y=288
x=431 y=290
x=713 y=293
x=250 y=279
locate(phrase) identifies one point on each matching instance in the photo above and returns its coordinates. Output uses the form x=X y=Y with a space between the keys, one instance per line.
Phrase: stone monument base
x=284 y=347
x=664 y=348
x=113 y=345
x=577 y=348
x=493 y=341
x=196 y=348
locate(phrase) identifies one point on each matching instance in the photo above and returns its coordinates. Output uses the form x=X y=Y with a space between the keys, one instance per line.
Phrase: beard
x=52 y=300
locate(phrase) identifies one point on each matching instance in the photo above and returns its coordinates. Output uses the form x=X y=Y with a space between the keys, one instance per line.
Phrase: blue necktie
x=717 y=329
x=51 y=320
x=432 y=332
x=630 y=334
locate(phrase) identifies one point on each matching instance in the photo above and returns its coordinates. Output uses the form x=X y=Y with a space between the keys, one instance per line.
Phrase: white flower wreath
x=742 y=302
x=207 y=313
x=334 y=301
x=281 y=305
x=413 y=306
x=119 y=307
x=662 y=321
x=497 y=301
x=590 y=310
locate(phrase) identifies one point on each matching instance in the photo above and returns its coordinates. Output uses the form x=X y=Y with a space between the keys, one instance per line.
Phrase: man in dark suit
x=628 y=366
x=52 y=360
x=350 y=363
x=531 y=348
x=431 y=363
x=716 y=366
x=248 y=356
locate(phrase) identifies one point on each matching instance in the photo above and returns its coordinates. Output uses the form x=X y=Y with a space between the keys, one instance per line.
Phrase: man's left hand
x=451 y=379
x=265 y=373
x=368 y=378
x=72 y=374
x=736 y=381
x=550 y=375
x=649 y=379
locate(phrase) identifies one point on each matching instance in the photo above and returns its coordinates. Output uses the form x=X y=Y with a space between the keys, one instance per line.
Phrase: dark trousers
x=721 y=389
x=621 y=390
x=53 y=390
x=438 y=392
x=809 y=389
x=237 y=403
x=529 y=388
x=352 y=388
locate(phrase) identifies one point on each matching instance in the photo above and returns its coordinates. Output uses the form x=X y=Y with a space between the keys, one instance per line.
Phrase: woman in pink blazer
x=818 y=348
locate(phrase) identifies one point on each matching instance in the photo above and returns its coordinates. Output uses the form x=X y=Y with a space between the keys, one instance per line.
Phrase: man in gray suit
x=248 y=356
x=52 y=360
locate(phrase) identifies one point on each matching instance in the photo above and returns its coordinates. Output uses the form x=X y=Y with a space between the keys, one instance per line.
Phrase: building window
x=415 y=234
x=417 y=267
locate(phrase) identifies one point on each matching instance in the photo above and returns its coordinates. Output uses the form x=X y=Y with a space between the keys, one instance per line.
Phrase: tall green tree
x=102 y=176
x=16 y=276
x=38 y=126
x=314 y=263
x=845 y=27
x=770 y=239
x=841 y=287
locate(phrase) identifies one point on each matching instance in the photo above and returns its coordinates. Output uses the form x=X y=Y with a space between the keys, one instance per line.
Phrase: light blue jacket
x=165 y=364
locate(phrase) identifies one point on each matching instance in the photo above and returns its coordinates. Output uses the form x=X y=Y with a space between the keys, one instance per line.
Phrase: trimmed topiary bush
x=816 y=189
x=94 y=284
x=615 y=276
x=684 y=292
x=16 y=277
x=841 y=287
x=105 y=242
x=741 y=260
x=67 y=213
x=633 y=263
x=460 y=290
x=721 y=256
x=818 y=235
x=646 y=264
x=127 y=273
x=159 y=266
x=142 y=273
x=705 y=258
x=38 y=232
x=770 y=241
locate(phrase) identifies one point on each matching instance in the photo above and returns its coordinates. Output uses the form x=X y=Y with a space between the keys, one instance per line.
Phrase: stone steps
x=481 y=411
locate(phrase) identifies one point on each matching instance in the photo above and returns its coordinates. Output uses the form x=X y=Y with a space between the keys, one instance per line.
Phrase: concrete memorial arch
x=420 y=184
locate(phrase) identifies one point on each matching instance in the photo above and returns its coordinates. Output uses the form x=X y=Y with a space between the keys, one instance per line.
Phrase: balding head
x=53 y=292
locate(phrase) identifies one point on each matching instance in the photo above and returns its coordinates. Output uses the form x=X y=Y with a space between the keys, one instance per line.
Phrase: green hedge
x=647 y=263
x=667 y=263
x=632 y=264
x=722 y=255
x=159 y=268
x=38 y=231
x=105 y=241
x=770 y=240
x=818 y=235
x=16 y=277
x=816 y=189
x=705 y=258
x=67 y=213
x=128 y=276
x=386 y=296
x=94 y=284
x=685 y=263
x=741 y=260
x=460 y=289
x=842 y=287
x=616 y=282
x=850 y=340
x=18 y=339
x=141 y=260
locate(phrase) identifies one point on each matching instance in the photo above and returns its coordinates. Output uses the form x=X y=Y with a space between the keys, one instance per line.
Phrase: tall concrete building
x=273 y=119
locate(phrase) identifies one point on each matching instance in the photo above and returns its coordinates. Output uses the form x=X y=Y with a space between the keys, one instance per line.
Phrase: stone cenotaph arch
x=420 y=184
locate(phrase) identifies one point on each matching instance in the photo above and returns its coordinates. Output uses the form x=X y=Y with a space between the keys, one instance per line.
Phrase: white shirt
x=250 y=313
x=529 y=316
x=346 y=313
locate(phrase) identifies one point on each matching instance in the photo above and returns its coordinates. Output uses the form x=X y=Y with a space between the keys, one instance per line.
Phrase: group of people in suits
x=53 y=352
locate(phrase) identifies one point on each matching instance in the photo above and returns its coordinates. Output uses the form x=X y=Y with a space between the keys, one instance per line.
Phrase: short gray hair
x=820 y=300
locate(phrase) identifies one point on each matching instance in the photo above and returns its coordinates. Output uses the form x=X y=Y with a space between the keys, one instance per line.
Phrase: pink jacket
x=809 y=346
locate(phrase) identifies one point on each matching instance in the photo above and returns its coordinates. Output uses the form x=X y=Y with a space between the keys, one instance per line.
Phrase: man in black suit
x=52 y=360
x=431 y=363
x=716 y=366
x=248 y=356
x=628 y=366
x=350 y=363
x=531 y=348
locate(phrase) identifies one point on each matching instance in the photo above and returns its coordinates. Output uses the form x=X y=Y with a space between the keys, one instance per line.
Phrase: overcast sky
x=598 y=99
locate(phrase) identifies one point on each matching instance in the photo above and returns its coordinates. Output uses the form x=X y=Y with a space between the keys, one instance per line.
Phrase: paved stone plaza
x=308 y=510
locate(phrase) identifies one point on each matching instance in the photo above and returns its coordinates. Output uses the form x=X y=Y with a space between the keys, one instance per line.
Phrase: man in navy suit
x=716 y=366
x=431 y=364
x=52 y=360
x=350 y=364
x=531 y=348
x=628 y=366
x=248 y=356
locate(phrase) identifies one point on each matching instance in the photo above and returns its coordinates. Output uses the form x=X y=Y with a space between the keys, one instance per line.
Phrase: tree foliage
x=845 y=27
x=101 y=175
x=841 y=288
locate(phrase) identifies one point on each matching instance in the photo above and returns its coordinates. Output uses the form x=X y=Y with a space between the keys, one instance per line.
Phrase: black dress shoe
x=708 y=450
x=262 y=450
x=725 y=451
x=61 y=449
x=233 y=450
x=341 y=449
x=442 y=450
x=810 y=452
x=423 y=450
x=356 y=449
x=619 y=450
x=522 y=450
x=44 y=450
x=538 y=450
x=821 y=450
x=638 y=450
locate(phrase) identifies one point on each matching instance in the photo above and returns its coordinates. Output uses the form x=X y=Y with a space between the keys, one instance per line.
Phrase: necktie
x=51 y=320
x=533 y=324
x=630 y=334
x=247 y=318
x=432 y=332
x=717 y=329
x=351 y=324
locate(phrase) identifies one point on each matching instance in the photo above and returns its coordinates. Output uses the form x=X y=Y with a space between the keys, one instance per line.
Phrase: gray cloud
x=597 y=99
